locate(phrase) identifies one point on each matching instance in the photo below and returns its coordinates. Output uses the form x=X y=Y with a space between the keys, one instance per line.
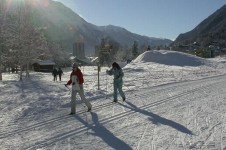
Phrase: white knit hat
x=75 y=65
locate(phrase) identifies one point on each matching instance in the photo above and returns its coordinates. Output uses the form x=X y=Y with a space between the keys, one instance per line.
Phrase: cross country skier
x=116 y=70
x=76 y=79
x=54 y=73
x=60 y=72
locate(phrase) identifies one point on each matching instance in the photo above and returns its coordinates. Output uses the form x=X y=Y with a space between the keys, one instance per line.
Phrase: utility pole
x=1 y=57
x=1 y=62
x=98 y=74
x=1 y=36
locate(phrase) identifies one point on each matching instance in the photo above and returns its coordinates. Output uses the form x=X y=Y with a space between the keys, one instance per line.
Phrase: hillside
x=212 y=30
x=63 y=25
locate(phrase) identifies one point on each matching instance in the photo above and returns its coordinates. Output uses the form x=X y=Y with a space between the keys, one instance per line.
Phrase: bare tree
x=58 y=54
x=25 y=42
x=2 y=10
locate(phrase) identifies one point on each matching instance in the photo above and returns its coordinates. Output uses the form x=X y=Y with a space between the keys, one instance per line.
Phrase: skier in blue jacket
x=116 y=70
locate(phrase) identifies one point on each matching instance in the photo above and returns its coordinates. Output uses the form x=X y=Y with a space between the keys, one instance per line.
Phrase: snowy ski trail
x=178 y=108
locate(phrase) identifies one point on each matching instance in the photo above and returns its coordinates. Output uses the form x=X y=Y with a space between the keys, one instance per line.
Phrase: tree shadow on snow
x=102 y=132
x=156 y=119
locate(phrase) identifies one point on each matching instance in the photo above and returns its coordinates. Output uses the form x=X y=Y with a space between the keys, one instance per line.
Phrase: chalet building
x=81 y=62
x=44 y=66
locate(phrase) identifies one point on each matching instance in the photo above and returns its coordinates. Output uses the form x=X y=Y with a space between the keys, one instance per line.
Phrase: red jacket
x=79 y=75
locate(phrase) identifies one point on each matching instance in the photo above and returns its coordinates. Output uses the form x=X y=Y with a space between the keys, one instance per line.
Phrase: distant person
x=76 y=79
x=60 y=72
x=13 y=70
x=54 y=73
x=128 y=61
x=116 y=70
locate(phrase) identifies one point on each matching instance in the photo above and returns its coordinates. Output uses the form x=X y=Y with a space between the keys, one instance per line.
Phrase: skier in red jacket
x=76 y=79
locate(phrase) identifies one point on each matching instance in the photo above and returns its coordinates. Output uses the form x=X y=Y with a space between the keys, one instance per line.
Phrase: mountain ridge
x=72 y=28
x=210 y=30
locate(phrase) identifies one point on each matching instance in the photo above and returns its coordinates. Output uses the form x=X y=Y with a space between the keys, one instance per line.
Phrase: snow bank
x=172 y=58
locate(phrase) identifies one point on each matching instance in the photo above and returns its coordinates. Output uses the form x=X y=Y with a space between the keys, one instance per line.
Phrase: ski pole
x=106 y=85
x=130 y=91
x=67 y=87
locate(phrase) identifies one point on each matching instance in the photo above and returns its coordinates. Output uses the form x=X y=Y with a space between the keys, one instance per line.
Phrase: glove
x=118 y=78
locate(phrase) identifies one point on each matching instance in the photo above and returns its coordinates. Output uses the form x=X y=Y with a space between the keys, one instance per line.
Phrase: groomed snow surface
x=174 y=101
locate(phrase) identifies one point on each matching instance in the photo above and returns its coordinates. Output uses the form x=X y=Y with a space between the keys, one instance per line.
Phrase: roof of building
x=45 y=62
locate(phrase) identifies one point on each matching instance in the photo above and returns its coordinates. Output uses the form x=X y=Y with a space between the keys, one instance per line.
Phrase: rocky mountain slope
x=63 y=25
x=210 y=31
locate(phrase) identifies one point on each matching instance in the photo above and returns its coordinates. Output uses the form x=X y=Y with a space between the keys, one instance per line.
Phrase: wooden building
x=44 y=66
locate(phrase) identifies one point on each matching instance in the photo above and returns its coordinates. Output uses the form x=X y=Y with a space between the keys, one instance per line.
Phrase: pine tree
x=135 y=49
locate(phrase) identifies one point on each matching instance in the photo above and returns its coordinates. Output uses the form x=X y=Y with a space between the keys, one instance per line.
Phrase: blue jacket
x=118 y=74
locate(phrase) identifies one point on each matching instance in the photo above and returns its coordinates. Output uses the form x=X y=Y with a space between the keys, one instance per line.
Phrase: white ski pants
x=81 y=94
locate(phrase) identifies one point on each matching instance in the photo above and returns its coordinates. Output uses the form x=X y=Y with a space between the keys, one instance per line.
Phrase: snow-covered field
x=174 y=101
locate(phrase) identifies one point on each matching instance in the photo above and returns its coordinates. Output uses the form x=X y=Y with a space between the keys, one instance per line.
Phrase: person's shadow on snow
x=102 y=132
x=107 y=136
x=156 y=119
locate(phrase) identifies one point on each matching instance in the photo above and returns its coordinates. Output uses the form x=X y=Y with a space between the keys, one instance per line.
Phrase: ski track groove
x=212 y=131
x=142 y=136
x=183 y=141
x=205 y=141
x=170 y=88
x=48 y=121
x=153 y=138
x=222 y=130
x=170 y=143
x=196 y=107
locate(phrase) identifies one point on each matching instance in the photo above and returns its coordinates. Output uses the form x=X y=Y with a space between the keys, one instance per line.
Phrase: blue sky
x=154 y=18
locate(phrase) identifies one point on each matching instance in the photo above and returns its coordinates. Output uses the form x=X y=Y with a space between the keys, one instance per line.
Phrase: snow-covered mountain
x=168 y=106
x=65 y=26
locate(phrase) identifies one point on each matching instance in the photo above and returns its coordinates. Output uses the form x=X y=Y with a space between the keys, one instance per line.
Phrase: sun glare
x=11 y=4
x=34 y=3
x=39 y=3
